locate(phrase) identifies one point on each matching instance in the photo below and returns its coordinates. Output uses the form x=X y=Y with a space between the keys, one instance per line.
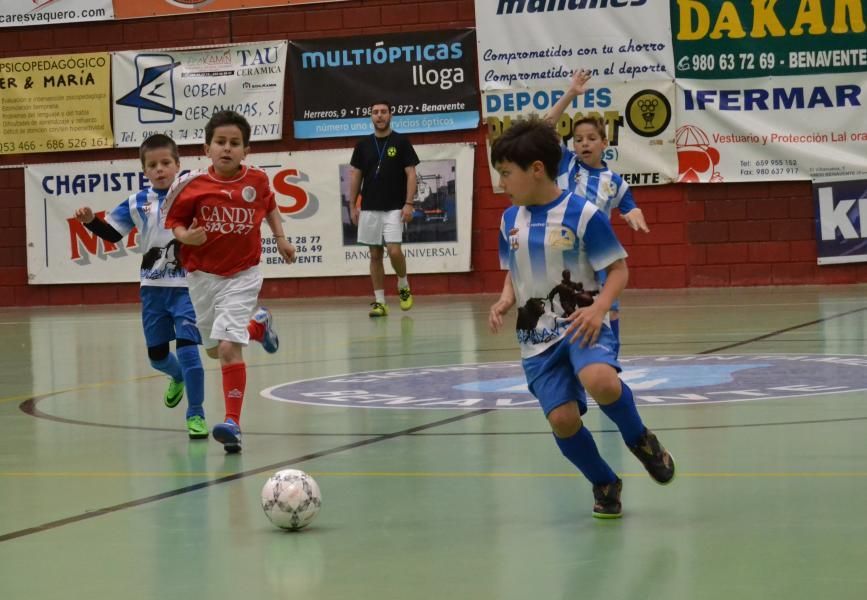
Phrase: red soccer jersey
x=231 y=211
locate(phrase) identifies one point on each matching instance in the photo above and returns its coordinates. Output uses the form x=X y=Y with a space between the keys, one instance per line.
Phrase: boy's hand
x=579 y=81
x=353 y=213
x=586 y=323
x=84 y=214
x=635 y=219
x=195 y=234
x=495 y=316
x=286 y=250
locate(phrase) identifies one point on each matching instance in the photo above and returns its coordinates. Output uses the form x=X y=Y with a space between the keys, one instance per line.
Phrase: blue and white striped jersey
x=160 y=264
x=551 y=252
x=603 y=187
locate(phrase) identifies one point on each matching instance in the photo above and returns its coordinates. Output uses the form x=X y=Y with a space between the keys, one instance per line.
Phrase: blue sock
x=170 y=366
x=624 y=414
x=194 y=379
x=582 y=452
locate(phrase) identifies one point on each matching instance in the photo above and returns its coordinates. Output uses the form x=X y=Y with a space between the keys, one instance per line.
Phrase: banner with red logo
x=127 y=9
x=771 y=129
x=312 y=193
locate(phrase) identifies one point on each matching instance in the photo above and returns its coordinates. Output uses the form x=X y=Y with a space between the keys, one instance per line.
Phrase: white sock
x=402 y=282
x=379 y=296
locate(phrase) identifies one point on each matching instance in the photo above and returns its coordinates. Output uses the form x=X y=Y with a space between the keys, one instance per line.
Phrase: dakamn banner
x=725 y=40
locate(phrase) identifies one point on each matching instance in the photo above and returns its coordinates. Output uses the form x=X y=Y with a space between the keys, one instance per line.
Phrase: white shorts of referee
x=376 y=227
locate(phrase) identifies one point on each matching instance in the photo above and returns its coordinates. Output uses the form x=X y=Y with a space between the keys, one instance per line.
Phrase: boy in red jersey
x=216 y=214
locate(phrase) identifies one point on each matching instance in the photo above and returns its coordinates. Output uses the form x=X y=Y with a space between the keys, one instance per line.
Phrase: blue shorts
x=552 y=376
x=167 y=314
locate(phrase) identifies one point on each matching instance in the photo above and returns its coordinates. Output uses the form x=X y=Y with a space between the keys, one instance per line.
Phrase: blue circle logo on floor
x=655 y=380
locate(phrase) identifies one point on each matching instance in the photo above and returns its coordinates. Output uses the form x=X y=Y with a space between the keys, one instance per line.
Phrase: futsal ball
x=291 y=499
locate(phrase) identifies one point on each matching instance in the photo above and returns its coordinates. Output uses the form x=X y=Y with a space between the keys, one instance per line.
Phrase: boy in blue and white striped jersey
x=167 y=312
x=584 y=171
x=553 y=241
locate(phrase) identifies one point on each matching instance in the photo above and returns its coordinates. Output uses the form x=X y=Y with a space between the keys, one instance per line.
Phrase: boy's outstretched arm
x=99 y=227
x=576 y=88
x=284 y=246
x=635 y=219
x=630 y=212
x=502 y=306
x=587 y=322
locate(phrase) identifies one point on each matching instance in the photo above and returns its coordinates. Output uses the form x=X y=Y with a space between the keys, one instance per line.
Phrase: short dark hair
x=155 y=142
x=381 y=101
x=597 y=122
x=227 y=117
x=527 y=141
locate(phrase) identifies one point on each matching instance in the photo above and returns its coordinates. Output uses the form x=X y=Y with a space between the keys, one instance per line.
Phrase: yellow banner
x=55 y=103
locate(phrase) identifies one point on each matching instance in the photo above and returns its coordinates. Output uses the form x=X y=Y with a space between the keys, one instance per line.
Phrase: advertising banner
x=131 y=9
x=526 y=43
x=638 y=115
x=175 y=92
x=771 y=129
x=428 y=77
x=841 y=220
x=723 y=40
x=55 y=103
x=312 y=193
x=18 y=13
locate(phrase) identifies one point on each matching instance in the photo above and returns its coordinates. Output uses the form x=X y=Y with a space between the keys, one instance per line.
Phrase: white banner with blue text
x=312 y=191
x=175 y=92
x=529 y=43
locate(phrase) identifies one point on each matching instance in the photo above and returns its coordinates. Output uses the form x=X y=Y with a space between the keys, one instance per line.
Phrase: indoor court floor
x=439 y=475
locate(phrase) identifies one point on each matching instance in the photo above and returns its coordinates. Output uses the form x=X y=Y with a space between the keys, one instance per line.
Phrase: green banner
x=757 y=38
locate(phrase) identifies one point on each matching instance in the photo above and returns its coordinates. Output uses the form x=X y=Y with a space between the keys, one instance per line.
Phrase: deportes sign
x=655 y=380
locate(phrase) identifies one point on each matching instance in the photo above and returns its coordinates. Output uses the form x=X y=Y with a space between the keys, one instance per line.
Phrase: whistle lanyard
x=380 y=152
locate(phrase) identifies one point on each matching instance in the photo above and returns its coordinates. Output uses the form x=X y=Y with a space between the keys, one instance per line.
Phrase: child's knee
x=565 y=420
x=229 y=352
x=159 y=352
x=601 y=381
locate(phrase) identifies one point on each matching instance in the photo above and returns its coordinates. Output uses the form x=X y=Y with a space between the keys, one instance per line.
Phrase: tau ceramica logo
x=655 y=380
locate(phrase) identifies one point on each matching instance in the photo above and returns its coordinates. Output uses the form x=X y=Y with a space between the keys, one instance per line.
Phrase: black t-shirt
x=385 y=189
